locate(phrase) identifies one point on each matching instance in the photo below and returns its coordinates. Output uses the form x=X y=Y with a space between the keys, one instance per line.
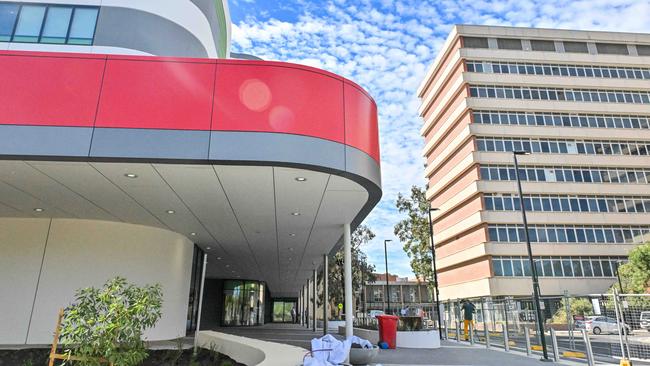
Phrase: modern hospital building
x=133 y=141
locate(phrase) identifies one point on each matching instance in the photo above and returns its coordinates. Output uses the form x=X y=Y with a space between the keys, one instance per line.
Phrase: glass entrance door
x=282 y=311
x=243 y=303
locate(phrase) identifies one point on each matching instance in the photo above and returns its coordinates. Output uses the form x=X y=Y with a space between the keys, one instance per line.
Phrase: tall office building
x=579 y=103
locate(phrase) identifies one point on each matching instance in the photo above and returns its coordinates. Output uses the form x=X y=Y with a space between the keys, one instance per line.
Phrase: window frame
x=48 y=6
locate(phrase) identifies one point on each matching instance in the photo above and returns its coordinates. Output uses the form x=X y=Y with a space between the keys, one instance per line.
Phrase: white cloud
x=386 y=46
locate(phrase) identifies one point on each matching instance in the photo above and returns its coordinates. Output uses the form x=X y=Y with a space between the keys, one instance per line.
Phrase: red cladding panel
x=284 y=99
x=59 y=91
x=157 y=94
x=361 y=130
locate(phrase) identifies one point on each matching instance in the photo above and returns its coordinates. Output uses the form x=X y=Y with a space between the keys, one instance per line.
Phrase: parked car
x=374 y=313
x=604 y=324
x=644 y=320
x=579 y=324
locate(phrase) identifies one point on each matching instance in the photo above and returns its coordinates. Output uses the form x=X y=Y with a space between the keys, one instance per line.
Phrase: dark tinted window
x=643 y=50
x=8 y=14
x=538 y=45
x=509 y=44
x=475 y=42
x=577 y=47
x=612 y=48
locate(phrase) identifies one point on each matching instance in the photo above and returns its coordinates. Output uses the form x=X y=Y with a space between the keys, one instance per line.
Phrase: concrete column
x=310 y=311
x=299 y=307
x=325 y=293
x=314 y=304
x=347 y=264
x=307 y=313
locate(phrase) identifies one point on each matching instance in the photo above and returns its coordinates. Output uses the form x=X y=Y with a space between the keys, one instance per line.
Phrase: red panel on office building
x=361 y=130
x=157 y=93
x=51 y=90
x=252 y=96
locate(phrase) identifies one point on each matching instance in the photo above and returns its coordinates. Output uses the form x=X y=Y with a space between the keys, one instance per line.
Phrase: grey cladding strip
x=360 y=163
x=45 y=140
x=146 y=32
x=262 y=146
x=153 y=144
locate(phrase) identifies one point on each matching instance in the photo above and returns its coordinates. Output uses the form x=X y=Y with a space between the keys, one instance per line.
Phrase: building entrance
x=282 y=311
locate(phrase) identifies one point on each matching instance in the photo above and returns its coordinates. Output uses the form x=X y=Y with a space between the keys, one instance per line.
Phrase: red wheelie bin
x=388 y=329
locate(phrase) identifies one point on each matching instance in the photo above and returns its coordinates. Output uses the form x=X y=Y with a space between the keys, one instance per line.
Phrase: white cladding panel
x=100 y=250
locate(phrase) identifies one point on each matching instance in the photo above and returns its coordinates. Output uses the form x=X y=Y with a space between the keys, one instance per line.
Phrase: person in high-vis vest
x=468 y=315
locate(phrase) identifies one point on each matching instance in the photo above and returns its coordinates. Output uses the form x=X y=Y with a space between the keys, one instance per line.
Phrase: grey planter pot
x=363 y=356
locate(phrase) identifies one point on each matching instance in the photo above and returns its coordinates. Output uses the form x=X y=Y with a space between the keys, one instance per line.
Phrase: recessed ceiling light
x=227 y=265
x=301 y=179
x=171 y=212
x=208 y=248
x=295 y=213
x=38 y=209
x=232 y=271
x=292 y=235
x=218 y=258
x=193 y=234
x=131 y=175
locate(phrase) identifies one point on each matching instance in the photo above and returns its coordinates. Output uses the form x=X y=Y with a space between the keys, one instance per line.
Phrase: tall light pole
x=387 y=297
x=435 y=272
x=533 y=270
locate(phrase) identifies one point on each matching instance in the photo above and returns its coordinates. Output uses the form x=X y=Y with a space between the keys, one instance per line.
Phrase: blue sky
x=386 y=46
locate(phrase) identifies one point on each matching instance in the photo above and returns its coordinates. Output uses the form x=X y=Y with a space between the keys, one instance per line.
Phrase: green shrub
x=108 y=323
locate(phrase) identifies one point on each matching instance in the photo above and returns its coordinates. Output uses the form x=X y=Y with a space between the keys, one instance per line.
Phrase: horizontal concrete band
x=147 y=144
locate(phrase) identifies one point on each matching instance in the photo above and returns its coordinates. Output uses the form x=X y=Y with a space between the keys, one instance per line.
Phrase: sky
x=386 y=46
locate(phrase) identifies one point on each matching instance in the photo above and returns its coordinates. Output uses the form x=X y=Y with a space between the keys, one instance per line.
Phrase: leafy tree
x=108 y=323
x=635 y=274
x=413 y=232
x=577 y=307
x=362 y=271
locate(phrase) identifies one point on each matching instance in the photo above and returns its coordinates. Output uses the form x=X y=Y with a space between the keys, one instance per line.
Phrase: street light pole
x=386 y=261
x=533 y=270
x=435 y=272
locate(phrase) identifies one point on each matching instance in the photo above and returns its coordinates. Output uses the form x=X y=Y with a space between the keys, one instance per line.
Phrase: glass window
x=547 y=267
x=507 y=266
x=8 y=15
x=29 y=23
x=56 y=24
x=526 y=264
x=82 y=29
x=496 y=264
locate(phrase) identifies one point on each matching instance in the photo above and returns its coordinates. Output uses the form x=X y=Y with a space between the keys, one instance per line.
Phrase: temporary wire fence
x=602 y=327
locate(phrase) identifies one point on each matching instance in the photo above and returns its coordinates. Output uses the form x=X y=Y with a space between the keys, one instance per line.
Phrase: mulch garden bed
x=39 y=357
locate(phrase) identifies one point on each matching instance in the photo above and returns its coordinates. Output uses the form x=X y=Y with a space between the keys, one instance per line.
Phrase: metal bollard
x=556 y=352
x=590 y=353
x=506 y=340
x=471 y=333
x=446 y=330
x=527 y=335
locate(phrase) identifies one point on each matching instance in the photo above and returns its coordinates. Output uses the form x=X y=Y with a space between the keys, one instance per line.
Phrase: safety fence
x=603 y=327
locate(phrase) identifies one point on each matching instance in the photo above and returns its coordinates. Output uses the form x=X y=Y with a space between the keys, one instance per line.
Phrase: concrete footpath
x=452 y=353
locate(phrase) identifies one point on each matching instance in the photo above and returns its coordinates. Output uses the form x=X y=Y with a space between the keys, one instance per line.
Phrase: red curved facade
x=141 y=92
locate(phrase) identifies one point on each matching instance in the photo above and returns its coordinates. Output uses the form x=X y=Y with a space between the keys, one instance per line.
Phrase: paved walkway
x=451 y=354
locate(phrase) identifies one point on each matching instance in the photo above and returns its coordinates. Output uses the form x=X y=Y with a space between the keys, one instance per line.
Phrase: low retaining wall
x=252 y=352
x=421 y=339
